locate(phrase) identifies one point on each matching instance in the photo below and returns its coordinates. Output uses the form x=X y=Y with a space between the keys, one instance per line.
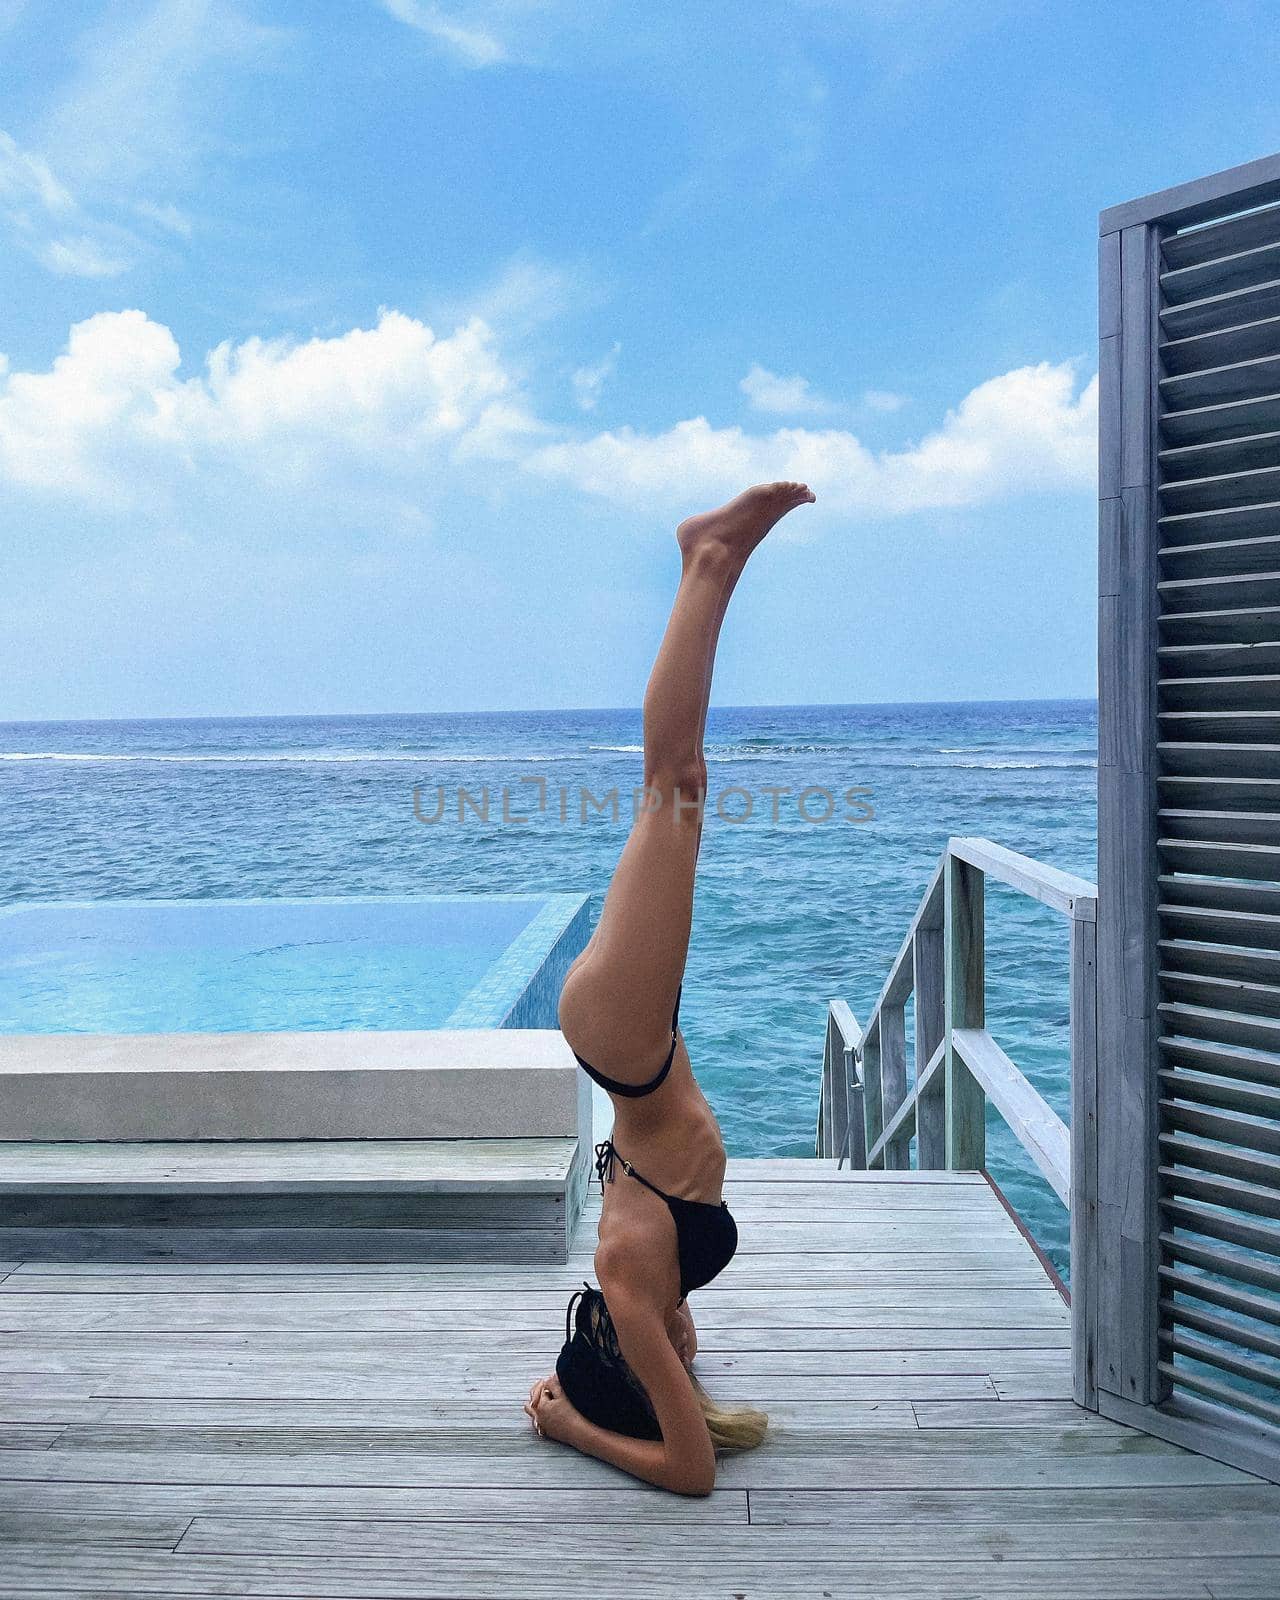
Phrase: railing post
x=927 y=965
x=837 y=1120
x=893 y=1081
x=872 y=1101
x=1084 y=1162
x=822 y=1133
x=854 y=1146
x=965 y=1007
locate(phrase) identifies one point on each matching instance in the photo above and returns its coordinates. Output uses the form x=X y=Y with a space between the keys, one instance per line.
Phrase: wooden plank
x=964 y=1008
x=284 y=1244
x=899 y=1458
x=1037 y=1127
x=27 y=1435
x=319 y=1166
x=868 y=1508
x=665 y=1567
x=449 y=1213
x=767 y=1169
x=977 y=1310
x=1064 y=891
x=87 y=1527
x=635 y=1503
x=1024 y=1540
x=1010 y=1414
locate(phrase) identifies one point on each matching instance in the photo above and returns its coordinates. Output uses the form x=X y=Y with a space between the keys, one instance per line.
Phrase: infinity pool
x=238 y=966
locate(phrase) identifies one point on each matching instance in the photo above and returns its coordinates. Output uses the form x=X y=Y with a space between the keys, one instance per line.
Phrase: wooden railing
x=871 y=1107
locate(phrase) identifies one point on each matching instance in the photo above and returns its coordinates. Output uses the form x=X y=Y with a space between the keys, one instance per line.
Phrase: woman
x=622 y=1390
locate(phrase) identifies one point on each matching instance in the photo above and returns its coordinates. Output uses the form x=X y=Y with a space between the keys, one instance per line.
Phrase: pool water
x=232 y=966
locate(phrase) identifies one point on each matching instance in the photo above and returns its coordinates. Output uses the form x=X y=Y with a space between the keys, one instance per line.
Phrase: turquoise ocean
x=803 y=899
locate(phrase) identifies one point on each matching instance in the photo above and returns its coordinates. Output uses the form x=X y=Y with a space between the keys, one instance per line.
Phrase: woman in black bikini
x=622 y=1390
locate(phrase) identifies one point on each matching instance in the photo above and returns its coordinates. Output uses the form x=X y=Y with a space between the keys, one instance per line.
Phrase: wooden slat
x=1228 y=1027
x=1239 y=270
x=1218 y=456
x=1185 y=1150
x=1256 y=1199
x=1231 y=1330
x=1226 y=1394
x=1232 y=419
x=1240 y=341
x=1215 y=1353
x=1197 y=1217
x=1205 y=243
x=1229 y=1262
x=1214 y=386
x=1198 y=1286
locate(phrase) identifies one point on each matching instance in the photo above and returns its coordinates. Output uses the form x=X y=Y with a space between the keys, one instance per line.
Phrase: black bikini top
x=706 y=1234
x=633 y=1091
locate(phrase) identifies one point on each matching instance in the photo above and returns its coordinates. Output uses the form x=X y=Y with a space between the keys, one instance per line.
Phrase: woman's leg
x=615 y=1008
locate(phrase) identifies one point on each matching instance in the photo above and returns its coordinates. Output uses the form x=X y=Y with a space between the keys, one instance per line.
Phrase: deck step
x=292 y=1200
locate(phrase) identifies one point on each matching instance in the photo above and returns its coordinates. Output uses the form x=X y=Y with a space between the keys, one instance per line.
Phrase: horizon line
x=525 y=711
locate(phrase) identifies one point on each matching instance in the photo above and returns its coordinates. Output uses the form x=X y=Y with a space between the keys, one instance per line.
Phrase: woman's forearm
x=642 y=1458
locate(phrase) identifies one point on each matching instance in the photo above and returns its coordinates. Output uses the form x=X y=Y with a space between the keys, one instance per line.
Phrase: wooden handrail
x=869 y=1110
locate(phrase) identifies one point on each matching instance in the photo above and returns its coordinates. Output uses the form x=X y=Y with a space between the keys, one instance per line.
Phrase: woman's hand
x=550 y=1410
x=683 y=1334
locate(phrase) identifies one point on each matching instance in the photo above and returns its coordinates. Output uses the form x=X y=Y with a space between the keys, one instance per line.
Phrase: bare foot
x=737 y=527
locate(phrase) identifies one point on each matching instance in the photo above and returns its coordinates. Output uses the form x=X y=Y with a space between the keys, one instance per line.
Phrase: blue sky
x=361 y=355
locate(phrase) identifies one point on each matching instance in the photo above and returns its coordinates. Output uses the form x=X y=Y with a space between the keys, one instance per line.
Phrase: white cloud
x=128 y=121
x=82 y=258
x=45 y=217
x=26 y=180
x=166 y=216
x=794 y=396
x=112 y=420
x=1026 y=430
x=473 y=46
x=883 y=400
x=135 y=115
x=588 y=382
x=383 y=413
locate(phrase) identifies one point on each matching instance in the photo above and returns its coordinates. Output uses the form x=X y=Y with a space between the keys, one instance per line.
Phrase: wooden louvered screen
x=1188 y=1204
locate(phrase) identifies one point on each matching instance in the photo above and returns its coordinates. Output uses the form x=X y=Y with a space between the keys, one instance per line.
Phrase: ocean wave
x=270 y=758
x=716 y=755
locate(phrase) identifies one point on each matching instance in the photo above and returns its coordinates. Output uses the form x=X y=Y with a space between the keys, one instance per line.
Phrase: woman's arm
x=683 y=1460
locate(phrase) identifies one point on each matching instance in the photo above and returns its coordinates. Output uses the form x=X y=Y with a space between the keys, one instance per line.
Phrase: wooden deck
x=330 y=1430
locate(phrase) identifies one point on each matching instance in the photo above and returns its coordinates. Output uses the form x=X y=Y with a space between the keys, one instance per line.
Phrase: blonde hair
x=731 y=1427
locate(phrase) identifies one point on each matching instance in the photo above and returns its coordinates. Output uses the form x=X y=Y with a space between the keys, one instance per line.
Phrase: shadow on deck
x=348 y=1430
